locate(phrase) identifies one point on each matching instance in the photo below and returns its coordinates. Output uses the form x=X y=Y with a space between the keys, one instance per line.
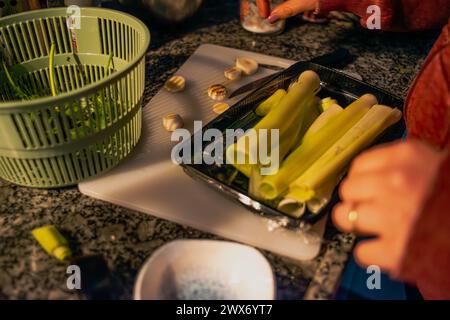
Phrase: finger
x=263 y=8
x=374 y=159
x=291 y=8
x=374 y=252
x=365 y=187
x=371 y=218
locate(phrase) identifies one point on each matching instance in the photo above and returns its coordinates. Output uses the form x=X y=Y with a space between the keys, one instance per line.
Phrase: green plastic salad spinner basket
x=94 y=120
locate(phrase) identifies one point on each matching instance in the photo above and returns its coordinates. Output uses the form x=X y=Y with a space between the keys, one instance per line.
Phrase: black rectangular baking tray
x=334 y=83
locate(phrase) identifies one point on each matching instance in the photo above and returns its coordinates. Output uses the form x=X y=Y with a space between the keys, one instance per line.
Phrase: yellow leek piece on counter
x=270 y=103
x=286 y=116
x=53 y=242
x=339 y=156
x=310 y=150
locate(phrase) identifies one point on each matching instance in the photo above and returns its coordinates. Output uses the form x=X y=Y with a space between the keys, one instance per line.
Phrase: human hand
x=387 y=187
x=285 y=10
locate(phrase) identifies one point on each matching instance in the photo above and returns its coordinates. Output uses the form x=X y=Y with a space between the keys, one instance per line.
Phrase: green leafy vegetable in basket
x=82 y=117
x=18 y=92
x=65 y=116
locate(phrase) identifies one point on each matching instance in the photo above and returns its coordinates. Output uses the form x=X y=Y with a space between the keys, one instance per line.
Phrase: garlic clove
x=175 y=84
x=248 y=65
x=172 y=121
x=220 y=107
x=233 y=73
x=217 y=92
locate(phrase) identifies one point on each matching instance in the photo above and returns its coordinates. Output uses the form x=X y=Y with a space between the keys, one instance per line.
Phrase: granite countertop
x=126 y=238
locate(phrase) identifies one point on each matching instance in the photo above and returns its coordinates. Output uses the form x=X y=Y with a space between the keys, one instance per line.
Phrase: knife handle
x=333 y=59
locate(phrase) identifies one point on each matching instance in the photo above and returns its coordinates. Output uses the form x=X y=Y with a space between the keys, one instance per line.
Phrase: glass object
x=252 y=21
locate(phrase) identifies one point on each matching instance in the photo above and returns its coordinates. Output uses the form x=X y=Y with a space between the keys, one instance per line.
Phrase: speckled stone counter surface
x=126 y=238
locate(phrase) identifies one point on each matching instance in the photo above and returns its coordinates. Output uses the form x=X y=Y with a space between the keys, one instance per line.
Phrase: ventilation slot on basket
x=29 y=40
x=118 y=38
x=11 y=45
x=52 y=32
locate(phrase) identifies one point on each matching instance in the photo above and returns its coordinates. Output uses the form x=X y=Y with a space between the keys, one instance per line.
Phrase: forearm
x=398 y=15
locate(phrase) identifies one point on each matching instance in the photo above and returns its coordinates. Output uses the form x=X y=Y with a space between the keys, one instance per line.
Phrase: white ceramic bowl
x=205 y=269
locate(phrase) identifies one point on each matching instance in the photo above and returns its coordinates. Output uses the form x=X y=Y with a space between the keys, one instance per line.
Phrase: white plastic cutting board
x=149 y=182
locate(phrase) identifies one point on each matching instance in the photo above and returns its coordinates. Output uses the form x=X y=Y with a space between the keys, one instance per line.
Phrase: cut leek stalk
x=286 y=117
x=317 y=204
x=309 y=119
x=327 y=116
x=292 y=207
x=325 y=103
x=245 y=169
x=271 y=103
x=289 y=108
x=295 y=208
x=338 y=157
x=287 y=142
x=254 y=181
x=292 y=139
x=313 y=148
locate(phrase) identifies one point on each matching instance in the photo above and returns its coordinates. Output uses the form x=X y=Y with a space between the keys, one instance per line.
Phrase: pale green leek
x=339 y=156
x=313 y=148
x=270 y=103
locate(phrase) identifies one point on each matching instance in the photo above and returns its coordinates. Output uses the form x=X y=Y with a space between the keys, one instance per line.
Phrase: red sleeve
x=427 y=260
x=427 y=257
x=428 y=104
x=396 y=15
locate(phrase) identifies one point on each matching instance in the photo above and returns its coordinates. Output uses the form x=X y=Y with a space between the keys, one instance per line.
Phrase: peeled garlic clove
x=172 y=121
x=220 y=107
x=175 y=84
x=233 y=73
x=247 y=65
x=217 y=92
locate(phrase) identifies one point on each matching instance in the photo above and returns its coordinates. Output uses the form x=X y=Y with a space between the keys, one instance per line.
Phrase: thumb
x=291 y=8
